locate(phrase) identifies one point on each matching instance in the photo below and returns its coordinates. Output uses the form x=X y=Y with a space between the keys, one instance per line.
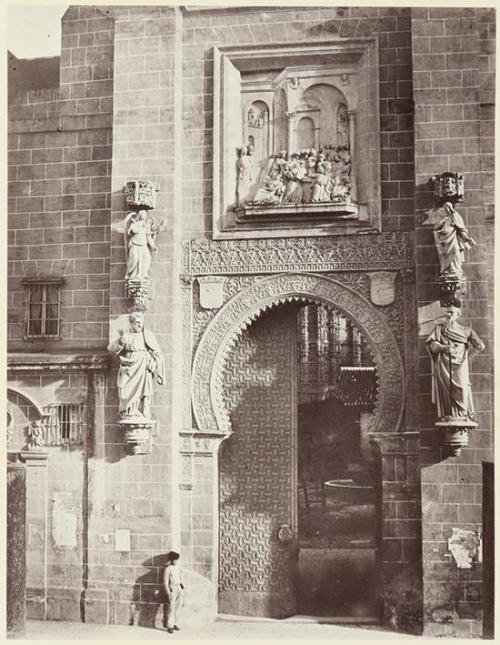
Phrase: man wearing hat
x=173 y=587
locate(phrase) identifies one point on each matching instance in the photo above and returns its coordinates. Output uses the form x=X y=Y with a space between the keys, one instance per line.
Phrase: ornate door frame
x=247 y=305
x=370 y=279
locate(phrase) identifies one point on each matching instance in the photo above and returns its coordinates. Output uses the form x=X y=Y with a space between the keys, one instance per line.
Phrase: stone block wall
x=59 y=187
x=123 y=587
x=450 y=47
x=15 y=547
x=202 y=30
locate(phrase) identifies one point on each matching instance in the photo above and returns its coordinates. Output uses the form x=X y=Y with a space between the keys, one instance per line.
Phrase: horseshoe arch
x=246 y=306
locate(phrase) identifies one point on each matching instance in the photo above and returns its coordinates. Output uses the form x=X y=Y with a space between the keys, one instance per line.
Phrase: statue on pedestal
x=140 y=361
x=450 y=345
x=141 y=236
x=36 y=436
x=451 y=238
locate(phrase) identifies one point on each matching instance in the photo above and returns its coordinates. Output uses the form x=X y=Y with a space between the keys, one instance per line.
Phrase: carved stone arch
x=246 y=306
x=28 y=398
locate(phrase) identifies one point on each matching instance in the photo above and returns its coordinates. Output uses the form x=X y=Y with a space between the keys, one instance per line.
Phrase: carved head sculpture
x=452 y=314
x=136 y=320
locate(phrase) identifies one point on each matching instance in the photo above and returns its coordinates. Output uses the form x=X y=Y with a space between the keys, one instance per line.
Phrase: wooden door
x=258 y=534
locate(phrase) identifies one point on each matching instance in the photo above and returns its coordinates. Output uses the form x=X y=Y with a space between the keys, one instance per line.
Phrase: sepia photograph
x=250 y=321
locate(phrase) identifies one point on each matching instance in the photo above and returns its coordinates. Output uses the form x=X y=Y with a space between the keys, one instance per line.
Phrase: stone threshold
x=299 y=618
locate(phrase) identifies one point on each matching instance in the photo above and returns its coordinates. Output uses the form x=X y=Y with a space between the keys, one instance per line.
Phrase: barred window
x=65 y=424
x=43 y=315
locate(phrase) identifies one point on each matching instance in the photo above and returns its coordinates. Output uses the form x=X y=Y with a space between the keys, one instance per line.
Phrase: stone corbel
x=137 y=435
x=140 y=194
x=456 y=434
x=448 y=187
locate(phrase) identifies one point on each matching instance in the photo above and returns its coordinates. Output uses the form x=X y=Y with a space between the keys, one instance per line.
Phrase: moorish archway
x=209 y=408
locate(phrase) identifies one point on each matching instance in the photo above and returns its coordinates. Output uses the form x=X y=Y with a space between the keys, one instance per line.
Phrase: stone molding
x=42 y=362
x=227 y=325
x=370 y=252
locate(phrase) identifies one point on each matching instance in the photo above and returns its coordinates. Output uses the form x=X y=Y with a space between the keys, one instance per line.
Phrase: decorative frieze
x=371 y=252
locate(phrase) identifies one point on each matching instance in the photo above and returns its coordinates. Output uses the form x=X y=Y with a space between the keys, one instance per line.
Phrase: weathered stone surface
x=16 y=546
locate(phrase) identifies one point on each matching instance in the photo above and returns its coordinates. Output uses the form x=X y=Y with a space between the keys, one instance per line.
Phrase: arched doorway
x=274 y=471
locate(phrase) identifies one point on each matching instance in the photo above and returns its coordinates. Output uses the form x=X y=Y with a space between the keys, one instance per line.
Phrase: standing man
x=172 y=584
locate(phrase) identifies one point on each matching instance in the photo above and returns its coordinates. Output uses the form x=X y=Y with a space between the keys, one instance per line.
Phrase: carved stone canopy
x=448 y=187
x=225 y=328
x=140 y=194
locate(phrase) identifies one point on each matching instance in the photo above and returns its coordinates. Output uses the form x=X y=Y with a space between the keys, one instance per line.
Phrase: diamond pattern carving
x=256 y=464
x=372 y=252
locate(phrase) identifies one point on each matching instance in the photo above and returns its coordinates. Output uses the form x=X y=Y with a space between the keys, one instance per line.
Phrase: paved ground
x=227 y=629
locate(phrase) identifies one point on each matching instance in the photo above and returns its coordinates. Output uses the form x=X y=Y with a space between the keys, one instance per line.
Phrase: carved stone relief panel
x=297 y=148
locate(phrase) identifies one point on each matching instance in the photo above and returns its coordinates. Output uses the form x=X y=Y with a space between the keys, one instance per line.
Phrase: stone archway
x=224 y=330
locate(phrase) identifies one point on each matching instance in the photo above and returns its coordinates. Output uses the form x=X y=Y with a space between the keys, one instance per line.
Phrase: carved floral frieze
x=371 y=252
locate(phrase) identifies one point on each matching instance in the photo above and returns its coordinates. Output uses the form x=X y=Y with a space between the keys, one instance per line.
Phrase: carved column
x=410 y=346
x=96 y=609
x=399 y=541
x=199 y=493
x=352 y=149
x=290 y=116
x=16 y=550
x=37 y=532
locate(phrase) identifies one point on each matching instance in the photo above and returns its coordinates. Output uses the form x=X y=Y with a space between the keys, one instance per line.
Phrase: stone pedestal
x=36 y=525
x=16 y=550
x=137 y=434
x=456 y=433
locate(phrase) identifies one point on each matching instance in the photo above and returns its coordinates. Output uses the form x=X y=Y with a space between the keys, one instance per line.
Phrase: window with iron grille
x=65 y=424
x=43 y=308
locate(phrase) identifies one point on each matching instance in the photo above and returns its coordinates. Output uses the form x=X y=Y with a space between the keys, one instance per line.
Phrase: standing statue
x=244 y=172
x=36 y=436
x=140 y=361
x=451 y=238
x=141 y=236
x=450 y=345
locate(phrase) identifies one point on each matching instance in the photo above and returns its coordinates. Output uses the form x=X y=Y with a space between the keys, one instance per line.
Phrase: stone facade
x=139 y=98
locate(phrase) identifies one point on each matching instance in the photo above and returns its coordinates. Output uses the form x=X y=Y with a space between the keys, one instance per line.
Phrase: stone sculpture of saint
x=140 y=235
x=321 y=185
x=140 y=362
x=36 y=438
x=272 y=190
x=451 y=238
x=450 y=346
x=244 y=173
x=294 y=173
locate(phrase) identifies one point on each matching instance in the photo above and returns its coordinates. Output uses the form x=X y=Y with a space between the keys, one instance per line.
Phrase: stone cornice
x=37 y=362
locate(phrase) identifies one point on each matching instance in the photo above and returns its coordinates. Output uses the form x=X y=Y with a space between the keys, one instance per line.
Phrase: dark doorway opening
x=337 y=509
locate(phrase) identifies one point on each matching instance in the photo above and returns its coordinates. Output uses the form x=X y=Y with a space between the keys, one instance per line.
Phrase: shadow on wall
x=25 y=75
x=147 y=606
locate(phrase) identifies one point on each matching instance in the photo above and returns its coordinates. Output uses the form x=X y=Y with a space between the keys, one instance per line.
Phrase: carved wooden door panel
x=258 y=536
